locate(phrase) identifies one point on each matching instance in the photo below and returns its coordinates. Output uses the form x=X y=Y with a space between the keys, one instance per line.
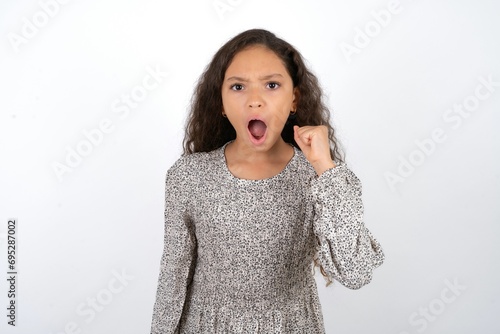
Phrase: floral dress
x=238 y=254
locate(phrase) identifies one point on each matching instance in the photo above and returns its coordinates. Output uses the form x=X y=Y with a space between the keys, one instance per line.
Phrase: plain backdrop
x=94 y=96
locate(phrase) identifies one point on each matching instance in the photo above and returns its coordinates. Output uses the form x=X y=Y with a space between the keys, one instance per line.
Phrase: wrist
x=321 y=166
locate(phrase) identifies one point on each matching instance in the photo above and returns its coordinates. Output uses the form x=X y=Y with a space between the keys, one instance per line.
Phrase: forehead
x=256 y=59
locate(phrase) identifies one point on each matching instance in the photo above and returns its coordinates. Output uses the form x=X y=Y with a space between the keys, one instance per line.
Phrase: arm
x=347 y=250
x=178 y=259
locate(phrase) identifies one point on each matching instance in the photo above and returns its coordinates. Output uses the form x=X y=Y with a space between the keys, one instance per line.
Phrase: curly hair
x=206 y=128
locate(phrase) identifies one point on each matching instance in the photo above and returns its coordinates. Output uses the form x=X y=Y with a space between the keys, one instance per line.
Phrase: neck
x=243 y=152
x=257 y=163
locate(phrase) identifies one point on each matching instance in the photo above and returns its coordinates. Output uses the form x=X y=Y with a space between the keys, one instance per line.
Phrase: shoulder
x=303 y=167
x=194 y=165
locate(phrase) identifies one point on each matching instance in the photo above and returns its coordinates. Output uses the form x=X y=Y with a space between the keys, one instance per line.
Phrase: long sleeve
x=178 y=259
x=347 y=250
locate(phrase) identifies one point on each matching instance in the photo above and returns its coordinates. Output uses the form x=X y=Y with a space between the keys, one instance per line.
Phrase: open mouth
x=257 y=128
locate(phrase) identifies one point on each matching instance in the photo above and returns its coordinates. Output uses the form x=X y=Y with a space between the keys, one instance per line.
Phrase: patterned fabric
x=238 y=253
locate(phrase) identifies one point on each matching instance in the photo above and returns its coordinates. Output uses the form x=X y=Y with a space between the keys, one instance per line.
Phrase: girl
x=261 y=192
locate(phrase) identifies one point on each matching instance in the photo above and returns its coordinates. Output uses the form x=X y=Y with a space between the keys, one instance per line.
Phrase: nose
x=255 y=99
x=255 y=104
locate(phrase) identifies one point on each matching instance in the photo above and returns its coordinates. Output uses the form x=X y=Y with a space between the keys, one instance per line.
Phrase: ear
x=296 y=96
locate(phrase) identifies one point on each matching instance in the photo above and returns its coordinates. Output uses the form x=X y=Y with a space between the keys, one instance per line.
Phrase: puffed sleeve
x=178 y=259
x=347 y=250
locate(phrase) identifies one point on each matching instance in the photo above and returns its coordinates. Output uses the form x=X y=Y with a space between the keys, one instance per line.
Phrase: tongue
x=257 y=128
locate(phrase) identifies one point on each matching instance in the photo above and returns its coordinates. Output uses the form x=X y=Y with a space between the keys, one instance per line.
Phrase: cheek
x=280 y=117
x=230 y=102
x=282 y=109
x=225 y=100
x=286 y=101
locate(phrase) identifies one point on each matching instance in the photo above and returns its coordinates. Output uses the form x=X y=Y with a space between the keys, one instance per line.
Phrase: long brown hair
x=207 y=129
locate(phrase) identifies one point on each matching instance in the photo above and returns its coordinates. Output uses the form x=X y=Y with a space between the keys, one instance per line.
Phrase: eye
x=237 y=87
x=273 y=85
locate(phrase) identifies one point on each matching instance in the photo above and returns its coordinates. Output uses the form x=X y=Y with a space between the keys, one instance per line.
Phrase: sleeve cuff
x=337 y=180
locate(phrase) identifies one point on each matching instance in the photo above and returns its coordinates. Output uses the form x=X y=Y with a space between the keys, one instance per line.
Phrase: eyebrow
x=265 y=77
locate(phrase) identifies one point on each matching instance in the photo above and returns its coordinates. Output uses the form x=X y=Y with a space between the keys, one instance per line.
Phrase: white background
x=438 y=224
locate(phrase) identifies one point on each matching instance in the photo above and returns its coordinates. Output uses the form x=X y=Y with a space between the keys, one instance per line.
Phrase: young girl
x=260 y=194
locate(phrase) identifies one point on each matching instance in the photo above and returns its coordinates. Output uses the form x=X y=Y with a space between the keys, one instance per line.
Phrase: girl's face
x=257 y=97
